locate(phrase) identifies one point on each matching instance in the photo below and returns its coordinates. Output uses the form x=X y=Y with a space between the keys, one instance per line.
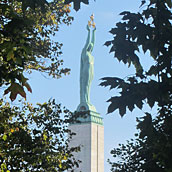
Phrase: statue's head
x=90 y=47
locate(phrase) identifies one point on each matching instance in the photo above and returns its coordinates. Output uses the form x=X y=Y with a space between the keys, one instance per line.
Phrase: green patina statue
x=87 y=68
x=87 y=72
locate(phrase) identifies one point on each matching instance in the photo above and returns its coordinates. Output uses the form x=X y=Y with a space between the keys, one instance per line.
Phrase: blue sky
x=66 y=89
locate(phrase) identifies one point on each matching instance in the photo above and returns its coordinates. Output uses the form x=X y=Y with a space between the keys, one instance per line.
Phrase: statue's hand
x=88 y=28
x=94 y=28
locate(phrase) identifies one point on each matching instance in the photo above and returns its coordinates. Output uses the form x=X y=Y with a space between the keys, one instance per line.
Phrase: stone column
x=90 y=135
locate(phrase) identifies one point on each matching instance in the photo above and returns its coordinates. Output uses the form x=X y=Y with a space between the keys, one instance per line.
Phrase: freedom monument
x=88 y=127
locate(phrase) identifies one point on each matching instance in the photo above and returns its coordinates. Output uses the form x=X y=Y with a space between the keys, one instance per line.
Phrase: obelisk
x=88 y=128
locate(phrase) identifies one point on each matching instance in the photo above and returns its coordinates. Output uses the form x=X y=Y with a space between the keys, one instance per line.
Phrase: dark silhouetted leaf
x=28 y=87
x=113 y=82
x=108 y=43
x=77 y=3
x=111 y=108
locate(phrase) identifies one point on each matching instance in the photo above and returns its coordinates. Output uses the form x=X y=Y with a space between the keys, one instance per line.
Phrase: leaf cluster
x=35 y=138
x=150 y=150
x=26 y=29
x=135 y=92
x=149 y=30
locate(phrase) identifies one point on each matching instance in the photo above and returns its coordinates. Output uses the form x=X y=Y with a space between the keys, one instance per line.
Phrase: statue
x=87 y=69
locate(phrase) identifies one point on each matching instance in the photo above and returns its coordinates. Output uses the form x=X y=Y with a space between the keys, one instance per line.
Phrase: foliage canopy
x=26 y=28
x=35 y=138
x=149 y=30
x=150 y=150
x=32 y=138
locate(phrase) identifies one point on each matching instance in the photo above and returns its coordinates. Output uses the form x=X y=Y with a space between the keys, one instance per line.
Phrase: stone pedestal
x=90 y=135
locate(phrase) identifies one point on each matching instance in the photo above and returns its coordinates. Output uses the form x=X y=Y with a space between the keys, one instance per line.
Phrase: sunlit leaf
x=4 y=137
x=12 y=130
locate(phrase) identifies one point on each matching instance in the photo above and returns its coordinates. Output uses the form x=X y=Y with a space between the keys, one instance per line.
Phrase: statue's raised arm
x=93 y=37
x=88 y=38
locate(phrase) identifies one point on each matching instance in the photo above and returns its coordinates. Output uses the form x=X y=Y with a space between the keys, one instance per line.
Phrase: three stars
x=91 y=22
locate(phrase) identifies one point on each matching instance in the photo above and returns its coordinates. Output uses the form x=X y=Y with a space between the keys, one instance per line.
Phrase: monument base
x=90 y=136
x=85 y=107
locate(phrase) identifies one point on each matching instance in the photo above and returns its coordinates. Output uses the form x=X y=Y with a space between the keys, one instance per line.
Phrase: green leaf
x=19 y=61
x=10 y=55
x=60 y=165
x=45 y=136
x=4 y=137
